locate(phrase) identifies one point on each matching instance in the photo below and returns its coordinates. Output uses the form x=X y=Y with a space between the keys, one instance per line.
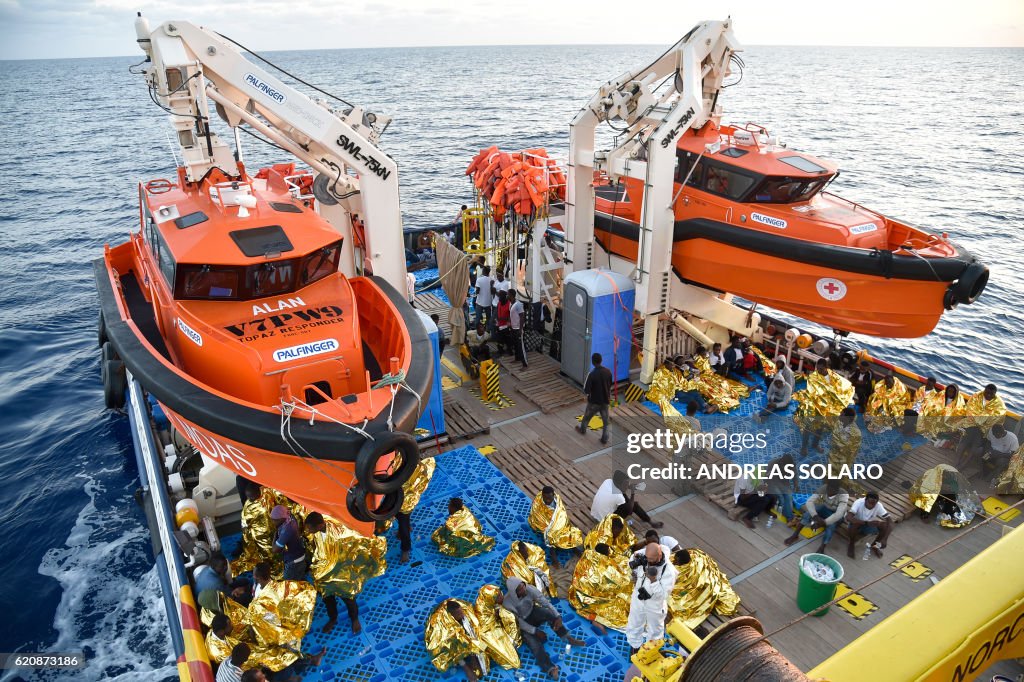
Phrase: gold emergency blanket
x=1011 y=481
x=448 y=641
x=767 y=364
x=258 y=533
x=461 y=536
x=602 y=532
x=846 y=442
x=823 y=398
x=886 y=406
x=724 y=394
x=282 y=613
x=343 y=559
x=946 y=481
x=533 y=570
x=417 y=484
x=662 y=392
x=498 y=630
x=938 y=417
x=922 y=395
x=601 y=588
x=983 y=413
x=701 y=588
x=554 y=524
x=237 y=613
x=273 y=656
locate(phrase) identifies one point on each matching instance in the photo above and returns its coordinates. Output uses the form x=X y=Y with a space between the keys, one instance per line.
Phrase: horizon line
x=434 y=47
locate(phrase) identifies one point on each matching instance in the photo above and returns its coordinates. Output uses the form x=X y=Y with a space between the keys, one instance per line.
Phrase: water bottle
x=568 y=648
x=771 y=521
x=867 y=551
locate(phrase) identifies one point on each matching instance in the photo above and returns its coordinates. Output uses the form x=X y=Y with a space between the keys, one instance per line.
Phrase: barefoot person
x=867 y=516
x=343 y=561
x=825 y=509
x=618 y=496
x=533 y=610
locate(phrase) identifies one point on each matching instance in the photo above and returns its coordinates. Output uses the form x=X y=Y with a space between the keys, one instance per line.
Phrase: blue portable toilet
x=597 y=317
x=432 y=420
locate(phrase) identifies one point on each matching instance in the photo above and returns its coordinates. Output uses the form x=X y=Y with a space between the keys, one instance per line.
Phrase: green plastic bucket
x=811 y=592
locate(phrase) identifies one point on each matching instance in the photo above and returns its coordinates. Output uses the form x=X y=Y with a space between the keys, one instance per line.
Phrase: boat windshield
x=226 y=283
x=786 y=190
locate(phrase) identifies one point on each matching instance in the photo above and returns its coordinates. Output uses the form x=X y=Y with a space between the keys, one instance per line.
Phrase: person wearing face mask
x=654 y=578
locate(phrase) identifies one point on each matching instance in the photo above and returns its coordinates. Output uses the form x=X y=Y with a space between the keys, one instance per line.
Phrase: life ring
x=389 y=505
x=101 y=330
x=369 y=462
x=971 y=283
x=115 y=381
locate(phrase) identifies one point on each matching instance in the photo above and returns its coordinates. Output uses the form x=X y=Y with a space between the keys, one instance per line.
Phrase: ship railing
x=295 y=186
x=182 y=613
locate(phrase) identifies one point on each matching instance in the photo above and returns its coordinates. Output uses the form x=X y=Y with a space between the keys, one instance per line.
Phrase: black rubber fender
x=949 y=298
x=114 y=377
x=101 y=330
x=389 y=505
x=372 y=451
x=971 y=283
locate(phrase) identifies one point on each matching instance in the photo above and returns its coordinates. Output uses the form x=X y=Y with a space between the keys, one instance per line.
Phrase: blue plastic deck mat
x=394 y=607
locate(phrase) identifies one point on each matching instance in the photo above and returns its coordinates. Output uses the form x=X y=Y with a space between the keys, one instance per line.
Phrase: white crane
x=653 y=118
x=191 y=65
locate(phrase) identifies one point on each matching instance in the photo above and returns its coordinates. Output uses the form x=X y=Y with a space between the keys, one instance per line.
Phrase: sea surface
x=931 y=136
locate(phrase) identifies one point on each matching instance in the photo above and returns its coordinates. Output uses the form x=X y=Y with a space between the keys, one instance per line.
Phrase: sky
x=44 y=29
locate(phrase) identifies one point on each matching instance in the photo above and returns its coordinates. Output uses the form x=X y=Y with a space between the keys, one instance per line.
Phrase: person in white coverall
x=654 y=578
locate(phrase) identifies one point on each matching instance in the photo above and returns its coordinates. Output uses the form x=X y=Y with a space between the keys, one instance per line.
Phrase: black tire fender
x=115 y=380
x=971 y=283
x=368 y=461
x=101 y=330
x=389 y=505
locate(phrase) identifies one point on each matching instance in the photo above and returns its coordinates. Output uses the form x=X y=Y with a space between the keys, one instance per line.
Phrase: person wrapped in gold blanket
x=527 y=562
x=820 y=403
x=461 y=535
x=887 y=404
x=549 y=517
x=602 y=587
x=701 y=588
x=614 y=532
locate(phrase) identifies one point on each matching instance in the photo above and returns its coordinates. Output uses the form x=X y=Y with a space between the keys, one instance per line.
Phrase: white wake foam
x=111 y=606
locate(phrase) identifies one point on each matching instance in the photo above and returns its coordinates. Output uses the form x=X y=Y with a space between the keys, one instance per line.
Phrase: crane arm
x=192 y=66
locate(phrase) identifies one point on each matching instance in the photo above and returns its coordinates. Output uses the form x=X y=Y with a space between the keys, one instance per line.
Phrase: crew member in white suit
x=654 y=578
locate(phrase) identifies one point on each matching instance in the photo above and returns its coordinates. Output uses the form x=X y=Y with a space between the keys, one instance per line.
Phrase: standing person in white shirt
x=516 y=318
x=617 y=496
x=1000 y=446
x=654 y=578
x=868 y=516
x=484 y=297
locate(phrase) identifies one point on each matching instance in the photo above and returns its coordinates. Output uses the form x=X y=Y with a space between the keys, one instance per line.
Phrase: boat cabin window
x=716 y=178
x=227 y=283
x=162 y=254
x=786 y=190
x=319 y=264
x=206 y=281
x=272 y=277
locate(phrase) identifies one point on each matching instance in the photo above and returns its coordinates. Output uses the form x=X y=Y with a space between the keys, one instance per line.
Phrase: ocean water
x=931 y=136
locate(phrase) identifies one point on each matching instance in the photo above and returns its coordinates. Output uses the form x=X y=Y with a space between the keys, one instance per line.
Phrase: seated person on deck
x=549 y=517
x=461 y=535
x=751 y=499
x=779 y=396
x=825 y=509
x=526 y=561
x=618 y=496
x=999 y=447
x=868 y=516
x=602 y=587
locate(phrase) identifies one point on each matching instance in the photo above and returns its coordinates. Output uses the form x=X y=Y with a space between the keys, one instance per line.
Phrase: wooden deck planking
x=541 y=449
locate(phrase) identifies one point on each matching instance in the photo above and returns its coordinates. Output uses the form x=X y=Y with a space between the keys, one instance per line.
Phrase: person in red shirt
x=504 y=322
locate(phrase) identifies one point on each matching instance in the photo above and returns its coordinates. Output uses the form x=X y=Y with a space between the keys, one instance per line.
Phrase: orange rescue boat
x=753 y=219
x=227 y=305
